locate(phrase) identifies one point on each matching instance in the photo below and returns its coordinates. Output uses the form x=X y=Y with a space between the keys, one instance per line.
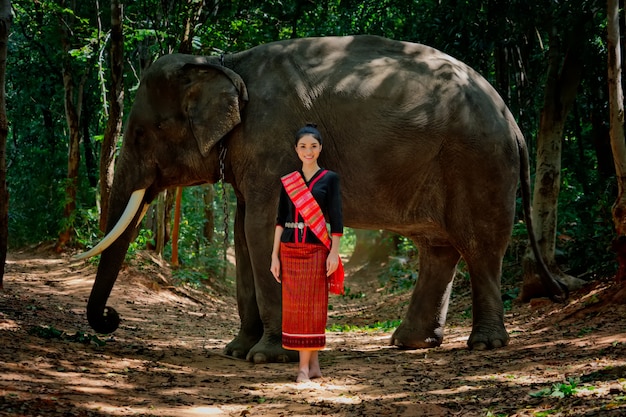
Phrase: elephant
x=424 y=147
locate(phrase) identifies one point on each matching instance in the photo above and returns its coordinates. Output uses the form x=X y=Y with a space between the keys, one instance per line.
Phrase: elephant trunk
x=104 y=319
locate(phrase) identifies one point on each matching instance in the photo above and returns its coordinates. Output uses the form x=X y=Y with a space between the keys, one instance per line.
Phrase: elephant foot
x=406 y=337
x=240 y=346
x=267 y=350
x=485 y=338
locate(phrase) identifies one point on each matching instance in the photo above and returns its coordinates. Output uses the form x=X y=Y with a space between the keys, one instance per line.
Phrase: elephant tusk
x=127 y=216
x=143 y=213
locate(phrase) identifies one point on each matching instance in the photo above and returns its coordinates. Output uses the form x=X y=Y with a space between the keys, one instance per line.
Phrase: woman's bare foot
x=302 y=377
x=315 y=373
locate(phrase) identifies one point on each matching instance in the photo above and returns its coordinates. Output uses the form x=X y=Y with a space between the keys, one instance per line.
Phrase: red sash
x=312 y=214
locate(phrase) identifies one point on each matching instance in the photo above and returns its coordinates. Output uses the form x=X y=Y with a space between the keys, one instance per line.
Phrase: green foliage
x=202 y=257
x=508 y=297
x=192 y=277
x=546 y=413
x=199 y=268
x=584 y=229
x=141 y=242
x=585 y=226
x=401 y=273
x=398 y=276
x=352 y=296
x=384 y=326
x=561 y=390
x=406 y=248
x=86 y=226
x=510 y=55
x=50 y=332
x=348 y=241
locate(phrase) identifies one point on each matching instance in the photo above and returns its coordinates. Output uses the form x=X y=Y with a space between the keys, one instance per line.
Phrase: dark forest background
x=61 y=82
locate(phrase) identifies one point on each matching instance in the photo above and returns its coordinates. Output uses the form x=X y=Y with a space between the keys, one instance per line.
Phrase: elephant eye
x=138 y=134
x=163 y=123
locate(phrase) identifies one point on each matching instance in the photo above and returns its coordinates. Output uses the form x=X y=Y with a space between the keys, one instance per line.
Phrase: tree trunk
x=208 y=196
x=73 y=100
x=179 y=198
x=5 y=28
x=563 y=78
x=616 y=131
x=372 y=246
x=157 y=219
x=193 y=19
x=116 y=101
x=88 y=148
x=600 y=132
x=161 y=220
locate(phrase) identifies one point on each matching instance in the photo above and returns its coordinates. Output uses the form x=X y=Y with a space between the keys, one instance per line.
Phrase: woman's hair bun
x=309 y=129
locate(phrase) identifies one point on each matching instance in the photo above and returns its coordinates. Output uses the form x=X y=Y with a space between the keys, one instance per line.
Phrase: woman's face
x=308 y=149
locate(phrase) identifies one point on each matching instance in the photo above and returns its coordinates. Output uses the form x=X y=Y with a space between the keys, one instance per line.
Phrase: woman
x=305 y=259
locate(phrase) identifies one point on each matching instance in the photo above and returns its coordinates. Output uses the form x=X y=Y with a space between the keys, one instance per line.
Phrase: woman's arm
x=332 y=261
x=275 y=265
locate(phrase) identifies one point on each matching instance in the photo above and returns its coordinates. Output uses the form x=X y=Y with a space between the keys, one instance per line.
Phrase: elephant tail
x=557 y=290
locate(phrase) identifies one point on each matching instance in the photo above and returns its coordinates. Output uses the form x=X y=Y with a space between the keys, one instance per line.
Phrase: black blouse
x=326 y=192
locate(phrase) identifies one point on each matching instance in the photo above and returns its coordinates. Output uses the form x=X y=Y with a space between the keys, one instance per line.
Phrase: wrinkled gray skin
x=423 y=145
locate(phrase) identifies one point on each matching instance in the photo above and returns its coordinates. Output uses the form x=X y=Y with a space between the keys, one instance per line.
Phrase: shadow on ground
x=166 y=359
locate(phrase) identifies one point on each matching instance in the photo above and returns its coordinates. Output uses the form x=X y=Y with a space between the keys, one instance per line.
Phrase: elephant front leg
x=425 y=319
x=268 y=296
x=258 y=296
x=251 y=329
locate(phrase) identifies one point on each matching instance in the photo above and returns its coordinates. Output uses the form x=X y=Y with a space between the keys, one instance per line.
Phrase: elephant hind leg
x=488 y=331
x=425 y=318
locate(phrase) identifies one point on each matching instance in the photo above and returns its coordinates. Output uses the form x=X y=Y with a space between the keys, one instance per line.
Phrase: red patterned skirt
x=305 y=295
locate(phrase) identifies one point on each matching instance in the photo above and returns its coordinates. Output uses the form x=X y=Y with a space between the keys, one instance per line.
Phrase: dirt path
x=166 y=360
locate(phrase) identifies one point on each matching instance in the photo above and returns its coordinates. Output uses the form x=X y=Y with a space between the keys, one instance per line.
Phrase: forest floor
x=166 y=358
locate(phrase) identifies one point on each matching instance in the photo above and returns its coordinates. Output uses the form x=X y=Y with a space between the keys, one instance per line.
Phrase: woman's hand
x=275 y=268
x=332 y=263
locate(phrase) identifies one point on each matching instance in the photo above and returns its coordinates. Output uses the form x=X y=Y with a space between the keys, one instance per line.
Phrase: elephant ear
x=213 y=100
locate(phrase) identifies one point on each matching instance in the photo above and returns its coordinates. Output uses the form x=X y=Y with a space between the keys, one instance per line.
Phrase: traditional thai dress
x=303 y=262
